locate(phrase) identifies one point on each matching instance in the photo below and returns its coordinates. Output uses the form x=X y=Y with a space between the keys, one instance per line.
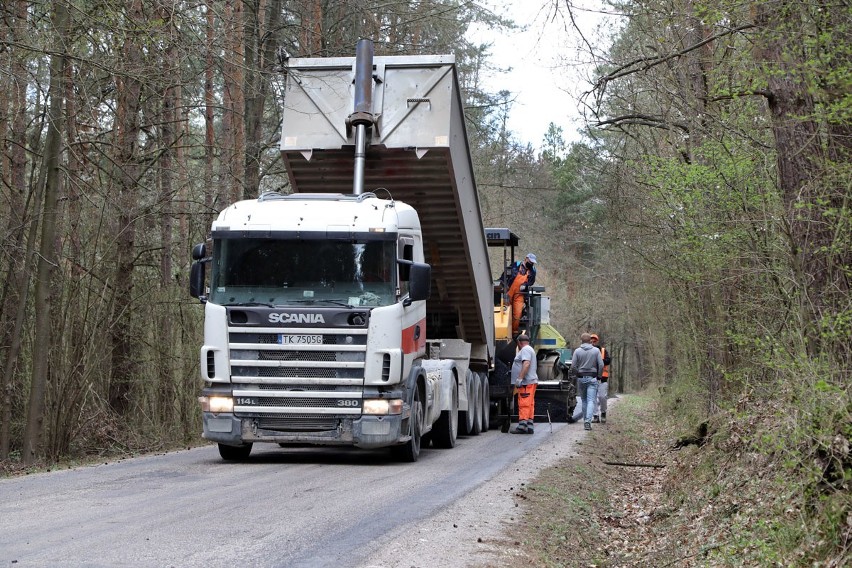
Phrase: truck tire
x=466 y=416
x=234 y=453
x=477 y=406
x=509 y=403
x=486 y=403
x=446 y=429
x=410 y=451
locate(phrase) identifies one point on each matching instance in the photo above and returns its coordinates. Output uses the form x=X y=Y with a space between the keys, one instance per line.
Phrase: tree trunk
x=209 y=106
x=169 y=122
x=232 y=162
x=129 y=87
x=311 y=40
x=260 y=57
x=47 y=257
x=168 y=119
x=798 y=144
x=16 y=279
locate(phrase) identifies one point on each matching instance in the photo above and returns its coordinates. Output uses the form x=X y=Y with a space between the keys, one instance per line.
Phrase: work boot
x=587 y=425
x=521 y=429
x=596 y=419
x=603 y=417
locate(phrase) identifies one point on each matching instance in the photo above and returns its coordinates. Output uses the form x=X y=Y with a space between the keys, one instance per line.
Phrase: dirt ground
x=487 y=527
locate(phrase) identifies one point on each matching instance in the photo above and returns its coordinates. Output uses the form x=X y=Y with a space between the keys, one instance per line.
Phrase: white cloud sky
x=544 y=89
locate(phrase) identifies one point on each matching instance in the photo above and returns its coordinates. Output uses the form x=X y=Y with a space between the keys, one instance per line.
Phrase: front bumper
x=363 y=432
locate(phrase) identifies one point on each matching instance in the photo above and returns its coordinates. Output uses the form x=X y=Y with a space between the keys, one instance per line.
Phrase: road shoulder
x=483 y=528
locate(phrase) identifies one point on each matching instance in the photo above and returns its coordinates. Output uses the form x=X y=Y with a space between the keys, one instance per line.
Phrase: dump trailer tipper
x=357 y=309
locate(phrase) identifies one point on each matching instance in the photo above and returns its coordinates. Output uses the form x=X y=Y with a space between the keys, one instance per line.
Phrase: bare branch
x=645 y=63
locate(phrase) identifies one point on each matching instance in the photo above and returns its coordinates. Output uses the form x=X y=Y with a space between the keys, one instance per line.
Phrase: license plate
x=300 y=339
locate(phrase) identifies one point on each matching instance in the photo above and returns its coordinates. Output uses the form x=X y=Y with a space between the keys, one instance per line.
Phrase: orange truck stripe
x=410 y=344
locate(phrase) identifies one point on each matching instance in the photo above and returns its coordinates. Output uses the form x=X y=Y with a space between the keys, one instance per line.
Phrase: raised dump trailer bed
x=417 y=153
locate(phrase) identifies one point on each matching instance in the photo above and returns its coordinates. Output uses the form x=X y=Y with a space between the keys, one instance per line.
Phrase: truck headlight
x=216 y=404
x=382 y=406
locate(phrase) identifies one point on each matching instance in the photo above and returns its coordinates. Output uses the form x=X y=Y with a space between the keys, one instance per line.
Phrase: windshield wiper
x=337 y=303
x=312 y=301
x=247 y=304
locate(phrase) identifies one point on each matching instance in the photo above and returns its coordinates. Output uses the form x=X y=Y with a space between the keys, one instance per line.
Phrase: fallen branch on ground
x=626 y=464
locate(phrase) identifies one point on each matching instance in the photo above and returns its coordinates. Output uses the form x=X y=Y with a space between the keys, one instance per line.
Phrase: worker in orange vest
x=525 y=381
x=522 y=275
x=603 y=386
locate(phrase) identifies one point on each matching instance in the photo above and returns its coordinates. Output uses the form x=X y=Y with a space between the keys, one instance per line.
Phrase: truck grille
x=298 y=424
x=295 y=372
x=307 y=386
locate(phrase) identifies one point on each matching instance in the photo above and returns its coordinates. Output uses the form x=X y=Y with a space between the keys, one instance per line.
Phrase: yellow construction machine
x=557 y=389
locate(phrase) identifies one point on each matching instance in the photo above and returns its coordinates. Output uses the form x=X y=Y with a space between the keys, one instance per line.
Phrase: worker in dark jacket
x=589 y=365
x=522 y=276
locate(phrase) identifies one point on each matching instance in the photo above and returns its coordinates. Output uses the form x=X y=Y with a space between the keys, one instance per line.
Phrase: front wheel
x=446 y=429
x=410 y=451
x=234 y=453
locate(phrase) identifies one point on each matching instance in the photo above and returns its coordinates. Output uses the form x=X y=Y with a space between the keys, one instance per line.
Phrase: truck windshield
x=280 y=272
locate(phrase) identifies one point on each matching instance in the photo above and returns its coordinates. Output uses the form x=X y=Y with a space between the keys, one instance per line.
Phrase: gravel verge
x=476 y=532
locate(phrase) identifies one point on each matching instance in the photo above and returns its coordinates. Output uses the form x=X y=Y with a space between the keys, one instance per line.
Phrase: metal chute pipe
x=362 y=114
x=363 y=77
x=360 y=158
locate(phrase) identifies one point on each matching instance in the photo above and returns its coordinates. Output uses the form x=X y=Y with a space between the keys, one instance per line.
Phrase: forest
x=700 y=221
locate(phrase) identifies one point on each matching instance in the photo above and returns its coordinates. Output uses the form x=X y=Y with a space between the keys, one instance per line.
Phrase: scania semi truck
x=354 y=308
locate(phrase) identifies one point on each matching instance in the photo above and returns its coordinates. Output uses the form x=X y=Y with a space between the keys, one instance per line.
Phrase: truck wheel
x=476 y=406
x=446 y=429
x=466 y=416
x=410 y=451
x=509 y=405
x=234 y=453
x=486 y=403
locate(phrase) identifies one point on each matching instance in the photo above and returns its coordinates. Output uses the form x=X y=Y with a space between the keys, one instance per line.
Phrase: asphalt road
x=305 y=507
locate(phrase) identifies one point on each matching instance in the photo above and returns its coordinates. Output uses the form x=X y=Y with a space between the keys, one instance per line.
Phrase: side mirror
x=196 y=271
x=420 y=282
x=196 y=280
x=199 y=251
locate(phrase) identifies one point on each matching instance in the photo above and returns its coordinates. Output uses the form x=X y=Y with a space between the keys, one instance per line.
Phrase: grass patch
x=766 y=487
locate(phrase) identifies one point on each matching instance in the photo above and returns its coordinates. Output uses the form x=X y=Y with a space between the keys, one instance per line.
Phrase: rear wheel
x=510 y=410
x=234 y=453
x=466 y=417
x=410 y=451
x=486 y=403
x=476 y=406
x=446 y=429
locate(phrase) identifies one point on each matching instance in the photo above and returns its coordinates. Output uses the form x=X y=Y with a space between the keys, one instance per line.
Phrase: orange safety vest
x=606 y=367
x=519 y=281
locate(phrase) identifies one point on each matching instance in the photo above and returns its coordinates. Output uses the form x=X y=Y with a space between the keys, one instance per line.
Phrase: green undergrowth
x=765 y=483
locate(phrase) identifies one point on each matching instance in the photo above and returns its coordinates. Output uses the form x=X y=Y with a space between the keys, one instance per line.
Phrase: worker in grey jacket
x=588 y=363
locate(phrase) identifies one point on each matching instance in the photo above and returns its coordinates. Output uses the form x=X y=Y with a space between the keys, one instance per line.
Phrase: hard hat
x=532 y=258
x=595 y=336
